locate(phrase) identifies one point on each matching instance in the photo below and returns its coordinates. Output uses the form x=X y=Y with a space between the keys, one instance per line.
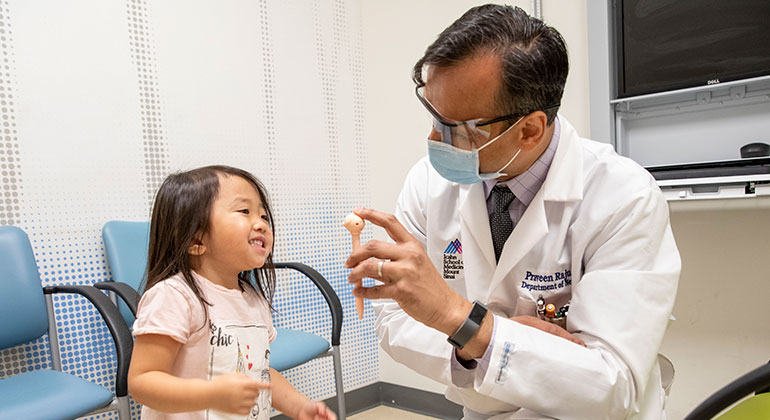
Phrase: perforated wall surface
x=100 y=100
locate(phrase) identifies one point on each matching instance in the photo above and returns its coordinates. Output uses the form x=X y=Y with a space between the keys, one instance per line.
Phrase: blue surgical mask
x=462 y=166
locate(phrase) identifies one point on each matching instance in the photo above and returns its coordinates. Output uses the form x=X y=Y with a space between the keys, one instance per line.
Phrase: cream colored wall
x=569 y=18
x=721 y=331
x=395 y=35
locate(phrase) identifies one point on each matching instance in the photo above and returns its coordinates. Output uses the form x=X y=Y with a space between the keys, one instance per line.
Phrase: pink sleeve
x=165 y=309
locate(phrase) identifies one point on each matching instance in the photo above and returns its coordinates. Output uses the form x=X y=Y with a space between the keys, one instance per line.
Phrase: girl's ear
x=197 y=248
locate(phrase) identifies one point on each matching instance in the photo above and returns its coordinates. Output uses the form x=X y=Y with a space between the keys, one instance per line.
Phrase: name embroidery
x=542 y=282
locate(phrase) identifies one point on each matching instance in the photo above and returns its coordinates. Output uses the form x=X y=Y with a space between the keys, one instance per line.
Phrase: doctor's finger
x=562 y=333
x=385 y=273
x=374 y=249
x=386 y=221
x=384 y=291
x=547 y=327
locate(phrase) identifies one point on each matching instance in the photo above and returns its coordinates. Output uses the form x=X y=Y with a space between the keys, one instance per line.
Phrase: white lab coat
x=598 y=216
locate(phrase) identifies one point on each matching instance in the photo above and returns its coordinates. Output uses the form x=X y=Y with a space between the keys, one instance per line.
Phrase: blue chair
x=26 y=313
x=127 y=243
x=753 y=408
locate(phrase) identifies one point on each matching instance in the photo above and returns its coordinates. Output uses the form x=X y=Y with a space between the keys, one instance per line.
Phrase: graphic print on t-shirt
x=238 y=348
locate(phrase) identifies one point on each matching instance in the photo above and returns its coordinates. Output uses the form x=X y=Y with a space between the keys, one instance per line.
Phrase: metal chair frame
x=758 y=380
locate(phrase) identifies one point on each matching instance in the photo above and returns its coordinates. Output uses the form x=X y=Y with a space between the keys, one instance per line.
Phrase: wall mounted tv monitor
x=664 y=45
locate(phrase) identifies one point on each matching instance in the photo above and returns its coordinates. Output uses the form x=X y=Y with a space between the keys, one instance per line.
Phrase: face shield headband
x=466 y=135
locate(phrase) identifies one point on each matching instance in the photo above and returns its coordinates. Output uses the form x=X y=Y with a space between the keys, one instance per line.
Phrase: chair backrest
x=756 y=407
x=23 y=314
x=126 y=244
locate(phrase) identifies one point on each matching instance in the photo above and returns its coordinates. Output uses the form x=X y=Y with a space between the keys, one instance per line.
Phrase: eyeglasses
x=466 y=135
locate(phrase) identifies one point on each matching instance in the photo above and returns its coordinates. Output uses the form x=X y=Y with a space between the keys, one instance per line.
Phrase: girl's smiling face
x=239 y=237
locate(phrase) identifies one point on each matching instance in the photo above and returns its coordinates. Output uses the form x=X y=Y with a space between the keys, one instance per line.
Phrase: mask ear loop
x=500 y=135
x=500 y=171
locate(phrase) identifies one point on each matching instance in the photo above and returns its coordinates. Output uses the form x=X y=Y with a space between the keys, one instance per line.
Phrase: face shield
x=466 y=135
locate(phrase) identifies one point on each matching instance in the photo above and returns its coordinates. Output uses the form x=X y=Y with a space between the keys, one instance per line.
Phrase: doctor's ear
x=197 y=248
x=533 y=128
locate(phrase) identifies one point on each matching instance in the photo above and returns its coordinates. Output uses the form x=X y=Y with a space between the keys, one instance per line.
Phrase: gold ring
x=379 y=268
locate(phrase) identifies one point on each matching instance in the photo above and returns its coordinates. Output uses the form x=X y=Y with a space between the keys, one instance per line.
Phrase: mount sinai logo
x=453 y=261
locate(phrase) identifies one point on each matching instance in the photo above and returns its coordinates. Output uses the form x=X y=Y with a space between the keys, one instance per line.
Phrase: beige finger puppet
x=355 y=225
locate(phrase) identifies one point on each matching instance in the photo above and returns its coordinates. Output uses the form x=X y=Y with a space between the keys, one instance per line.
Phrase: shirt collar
x=525 y=185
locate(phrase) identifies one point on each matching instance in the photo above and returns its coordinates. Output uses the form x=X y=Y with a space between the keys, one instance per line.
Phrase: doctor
x=512 y=212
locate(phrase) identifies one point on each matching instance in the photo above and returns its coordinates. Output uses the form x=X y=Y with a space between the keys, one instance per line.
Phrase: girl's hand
x=235 y=393
x=315 y=410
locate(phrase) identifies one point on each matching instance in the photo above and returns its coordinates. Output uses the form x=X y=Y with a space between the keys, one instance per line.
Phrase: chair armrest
x=732 y=392
x=126 y=292
x=121 y=335
x=326 y=290
x=766 y=389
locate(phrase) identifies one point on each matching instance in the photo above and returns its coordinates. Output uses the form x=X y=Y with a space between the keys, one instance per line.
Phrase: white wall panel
x=100 y=100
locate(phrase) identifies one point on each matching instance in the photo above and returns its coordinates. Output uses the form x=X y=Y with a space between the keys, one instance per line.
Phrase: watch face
x=469 y=327
x=477 y=313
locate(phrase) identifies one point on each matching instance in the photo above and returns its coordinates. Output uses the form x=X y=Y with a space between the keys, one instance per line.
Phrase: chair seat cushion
x=49 y=394
x=292 y=348
x=752 y=408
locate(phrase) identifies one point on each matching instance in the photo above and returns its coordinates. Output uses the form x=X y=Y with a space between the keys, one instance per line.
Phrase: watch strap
x=469 y=327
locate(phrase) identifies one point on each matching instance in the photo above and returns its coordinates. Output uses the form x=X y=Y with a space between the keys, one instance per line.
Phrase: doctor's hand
x=548 y=327
x=408 y=277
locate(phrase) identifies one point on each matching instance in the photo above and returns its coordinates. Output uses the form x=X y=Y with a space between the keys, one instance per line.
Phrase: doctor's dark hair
x=533 y=56
x=181 y=212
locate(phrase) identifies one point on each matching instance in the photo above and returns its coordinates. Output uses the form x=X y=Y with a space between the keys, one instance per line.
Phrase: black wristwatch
x=470 y=327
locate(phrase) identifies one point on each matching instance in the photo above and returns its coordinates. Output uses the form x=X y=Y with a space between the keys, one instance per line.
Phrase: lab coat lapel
x=563 y=183
x=526 y=234
x=475 y=221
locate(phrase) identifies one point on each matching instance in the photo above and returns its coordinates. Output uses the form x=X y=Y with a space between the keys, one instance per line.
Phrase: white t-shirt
x=235 y=339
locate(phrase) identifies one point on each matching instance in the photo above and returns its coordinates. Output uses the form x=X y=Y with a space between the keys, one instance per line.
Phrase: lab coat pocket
x=553 y=286
x=525 y=306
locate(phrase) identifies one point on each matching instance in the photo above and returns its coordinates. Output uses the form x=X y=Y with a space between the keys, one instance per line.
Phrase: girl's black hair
x=182 y=210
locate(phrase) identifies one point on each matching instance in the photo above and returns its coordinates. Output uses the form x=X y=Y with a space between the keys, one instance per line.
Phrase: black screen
x=674 y=44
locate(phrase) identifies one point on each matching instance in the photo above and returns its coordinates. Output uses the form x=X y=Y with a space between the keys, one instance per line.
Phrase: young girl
x=203 y=328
